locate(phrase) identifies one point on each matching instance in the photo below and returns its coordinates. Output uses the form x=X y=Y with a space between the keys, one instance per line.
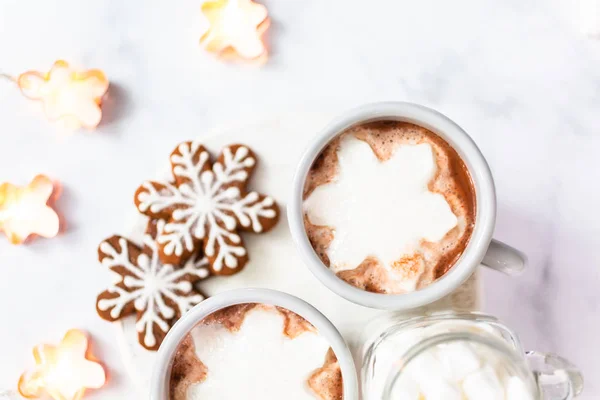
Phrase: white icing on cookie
x=206 y=205
x=148 y=283
x=380 y=209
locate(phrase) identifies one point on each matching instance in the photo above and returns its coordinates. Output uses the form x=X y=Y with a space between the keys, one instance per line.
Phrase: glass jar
x=448 y=355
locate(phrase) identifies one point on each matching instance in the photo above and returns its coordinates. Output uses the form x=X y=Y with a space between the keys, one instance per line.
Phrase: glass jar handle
x=557 y=378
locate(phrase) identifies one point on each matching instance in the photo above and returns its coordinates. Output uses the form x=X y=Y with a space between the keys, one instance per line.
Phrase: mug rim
x=485 y=196
x=159 y=389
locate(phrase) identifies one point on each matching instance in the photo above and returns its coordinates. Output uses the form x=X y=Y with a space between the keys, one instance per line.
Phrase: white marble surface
x=517 y=75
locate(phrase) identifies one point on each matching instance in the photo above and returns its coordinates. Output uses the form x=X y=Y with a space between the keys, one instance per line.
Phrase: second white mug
x=159 y=389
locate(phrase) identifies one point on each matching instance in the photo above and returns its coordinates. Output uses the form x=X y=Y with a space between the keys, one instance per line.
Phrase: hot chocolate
x=389 y=206
x=255 y=351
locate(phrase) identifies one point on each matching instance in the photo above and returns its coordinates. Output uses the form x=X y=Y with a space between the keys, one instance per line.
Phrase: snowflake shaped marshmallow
x=380 y=208
x=159 y=293
x=206 y=206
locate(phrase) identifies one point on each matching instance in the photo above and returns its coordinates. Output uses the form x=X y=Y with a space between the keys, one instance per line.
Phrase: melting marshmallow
x=258 y=361
x=380 y=208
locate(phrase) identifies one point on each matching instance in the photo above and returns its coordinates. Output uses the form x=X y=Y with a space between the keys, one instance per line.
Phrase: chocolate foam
x=326 y=382
x=188 y=370
x=452 y=180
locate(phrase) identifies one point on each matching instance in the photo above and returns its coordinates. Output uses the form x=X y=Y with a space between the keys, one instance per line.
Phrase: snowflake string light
x=23 y=210
x=159 y=293
x=69 y=96
x=235 y=28
x=63 y=372
x=206 y=206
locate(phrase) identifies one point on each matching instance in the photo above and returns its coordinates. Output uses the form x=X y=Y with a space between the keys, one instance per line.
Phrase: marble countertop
x=518 y=76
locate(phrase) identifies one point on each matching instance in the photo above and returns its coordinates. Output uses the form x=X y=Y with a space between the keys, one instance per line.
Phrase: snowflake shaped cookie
x=159 y=293
x=206 y=205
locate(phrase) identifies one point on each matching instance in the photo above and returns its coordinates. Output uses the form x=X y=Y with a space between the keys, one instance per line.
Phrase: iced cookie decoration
x=62 y=372
x=24 y=212
x=206 y=205
x=159 y=293
x=235 y=28
x=68 y=95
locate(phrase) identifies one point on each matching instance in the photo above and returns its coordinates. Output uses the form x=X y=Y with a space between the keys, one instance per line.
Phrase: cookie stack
x=192 y=233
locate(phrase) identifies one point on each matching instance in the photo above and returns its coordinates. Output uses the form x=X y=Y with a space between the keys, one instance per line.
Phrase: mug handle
x=504 y=258
x=556 y=377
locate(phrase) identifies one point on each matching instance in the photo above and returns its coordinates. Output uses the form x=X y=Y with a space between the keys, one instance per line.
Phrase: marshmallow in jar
x=447 y=356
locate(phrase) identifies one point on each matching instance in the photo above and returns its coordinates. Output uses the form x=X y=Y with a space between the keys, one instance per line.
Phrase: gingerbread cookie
x=205 y=207
x=157 y=292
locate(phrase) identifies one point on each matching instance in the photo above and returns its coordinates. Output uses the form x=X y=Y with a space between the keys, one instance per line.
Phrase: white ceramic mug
x=481 y=247
x=159 y=389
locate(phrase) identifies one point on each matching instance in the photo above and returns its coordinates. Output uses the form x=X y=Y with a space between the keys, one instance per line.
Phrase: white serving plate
x=274 y=263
